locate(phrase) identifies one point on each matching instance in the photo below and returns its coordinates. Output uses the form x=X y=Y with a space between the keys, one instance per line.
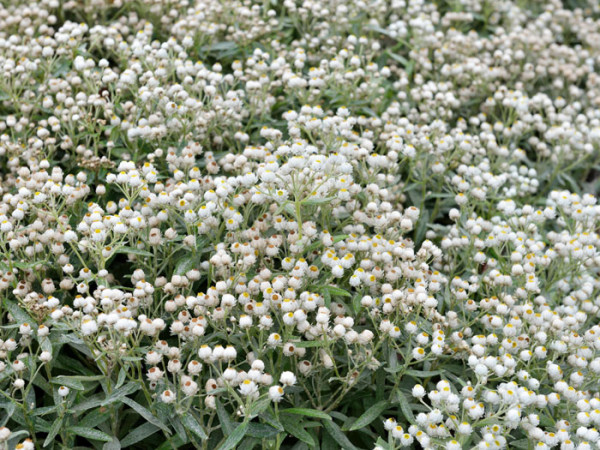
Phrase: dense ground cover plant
x=285 y=224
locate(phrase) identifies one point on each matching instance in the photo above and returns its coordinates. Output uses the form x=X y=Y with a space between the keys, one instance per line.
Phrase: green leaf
x=410 y=67
x=69 y=382
x=521 y=443
x=54 y=429
x=145 y=413
x=185 y=264
x=112 y=445
x=334 y=290
x=163 y=412
x=123 y=391
x=70 y=338
x=28 y=265
x=172 y=443
x=249 y=443
x=282 y=208
x=379 y=30
x=327 y=298
x=235 y=437
x=259 y=406
x=95 y=418
x=295 y=429
x=270 y=418
x=398 y=58
x=392 y=359
x=134 y=251
x=289 y=208
x=328 y=443
x=121 y=377
x=356 y=304
x=217 y=391
x=45 y=344
x=369 y=415
x=15 y=437
x=131 y=358
x=421 y=227
x=92 y=402
x=44 y=410
x=336 y=433
x=86 y=377
x=261 y=430
x=138 y=434
x=314 y=201
x=340 y=237
x=423 y=373
x=10 y=409
x=221 y=46
x=226 y=422
x=454 y=378
x=91 y=433
x=308 y=344
x=179 y=428
x=307 y=412
x=380 y=384
x=18 y=313
x=43 y=384
x=383 y=444
x=190 y=422
x=405 y=406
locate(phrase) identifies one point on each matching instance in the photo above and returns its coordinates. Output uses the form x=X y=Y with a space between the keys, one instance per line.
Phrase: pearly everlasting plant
x=300 y=224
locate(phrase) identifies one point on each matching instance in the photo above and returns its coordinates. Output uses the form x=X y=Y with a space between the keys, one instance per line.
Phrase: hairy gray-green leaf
x=369 y=415
x=145 y=413
x=336 y=433
x=91 y=433
x=139 y=434
x=235 y=437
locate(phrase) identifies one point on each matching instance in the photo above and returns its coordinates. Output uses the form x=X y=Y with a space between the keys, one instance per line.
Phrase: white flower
x=154 y=374
x=88 y=326
x=230 y=353
x=4 y=434
x=337 y=271
x=287 y=379
x=194 y=367
x=167 y=396
x=189 y=387
x=389 y=424
x=63 y=391
x=204 y=352
x=465 y=428
x=276 y=393
x=453 y=445
x=248 y=387
x=27 y=444
x=274 y=339
x=418 y=353
x=397 y=432
x=418 y=391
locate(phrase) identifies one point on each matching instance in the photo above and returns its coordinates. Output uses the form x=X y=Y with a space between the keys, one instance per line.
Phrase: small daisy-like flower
x=248 y=387
x=418 y=353
x=63 y=391
x=167 y=396
x=287 y=379
x=276 y=393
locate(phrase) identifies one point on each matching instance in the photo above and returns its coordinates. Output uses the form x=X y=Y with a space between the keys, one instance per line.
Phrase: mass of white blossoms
x=300 y=224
